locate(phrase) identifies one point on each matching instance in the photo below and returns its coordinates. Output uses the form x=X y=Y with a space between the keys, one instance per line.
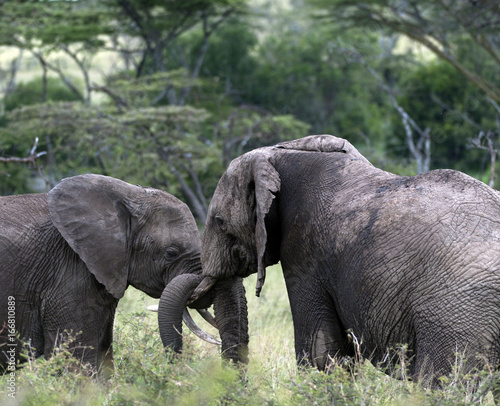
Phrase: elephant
x=67 y=257
x=389 y=260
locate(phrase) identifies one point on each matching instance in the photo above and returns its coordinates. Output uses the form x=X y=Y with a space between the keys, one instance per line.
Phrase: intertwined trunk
x=230 y=307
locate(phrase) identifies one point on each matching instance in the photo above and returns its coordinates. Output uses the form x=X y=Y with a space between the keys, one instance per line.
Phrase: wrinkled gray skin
x=66 y=257
x=394 y=259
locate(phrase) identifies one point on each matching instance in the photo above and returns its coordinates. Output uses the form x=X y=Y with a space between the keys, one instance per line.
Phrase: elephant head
x=130 y=235
x=242 y=233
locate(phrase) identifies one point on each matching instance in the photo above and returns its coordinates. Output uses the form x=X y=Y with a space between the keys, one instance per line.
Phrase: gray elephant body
x=395 y=260
x=66 y=258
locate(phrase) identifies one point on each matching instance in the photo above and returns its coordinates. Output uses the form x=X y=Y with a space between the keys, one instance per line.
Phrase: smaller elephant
x=391 y=259
x=67 y=256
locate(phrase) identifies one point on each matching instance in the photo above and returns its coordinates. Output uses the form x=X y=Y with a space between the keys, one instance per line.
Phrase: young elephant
x=393 y=259
x=66 y=258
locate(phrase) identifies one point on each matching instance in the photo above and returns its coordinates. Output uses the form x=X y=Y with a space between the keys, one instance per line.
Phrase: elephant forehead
x=244 y=162
x=166 y=221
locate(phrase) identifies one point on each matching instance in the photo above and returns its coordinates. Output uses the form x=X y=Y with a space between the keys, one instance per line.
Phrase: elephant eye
x=172 y=252
x=220 y=223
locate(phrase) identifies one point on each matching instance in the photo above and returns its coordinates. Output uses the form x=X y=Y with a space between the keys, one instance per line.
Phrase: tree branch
x=63 y=77
x=478 y=142
x=83 y=69
x=31 y=158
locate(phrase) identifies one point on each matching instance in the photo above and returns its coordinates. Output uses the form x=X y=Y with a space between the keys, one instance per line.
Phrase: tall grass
x=144 y=376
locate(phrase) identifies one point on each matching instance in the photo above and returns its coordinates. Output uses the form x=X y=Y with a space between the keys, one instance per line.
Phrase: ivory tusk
x=186 y=317
x=208 y=317
x=203 y=313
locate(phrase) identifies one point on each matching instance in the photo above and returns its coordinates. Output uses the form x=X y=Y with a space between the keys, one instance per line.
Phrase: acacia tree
x=135 y=136
x=160 y=23
x=44 y=28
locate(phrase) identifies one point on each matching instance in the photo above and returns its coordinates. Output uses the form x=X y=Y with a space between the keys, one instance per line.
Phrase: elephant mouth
x=202 y=289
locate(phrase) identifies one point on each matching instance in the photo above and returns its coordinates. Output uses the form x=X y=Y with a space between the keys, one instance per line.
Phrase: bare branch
x=83 y=69
x=487 y=143
x=196 y=198
x=11 y=79
x=443 y=105
x=43 y=61
x=120 y=102
x=31 y=158
x=494 y=104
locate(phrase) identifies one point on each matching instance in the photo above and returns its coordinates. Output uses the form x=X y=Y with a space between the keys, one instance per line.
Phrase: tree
x=436 y=24
x=38 y=90
x=43 y=28
x=159 y=24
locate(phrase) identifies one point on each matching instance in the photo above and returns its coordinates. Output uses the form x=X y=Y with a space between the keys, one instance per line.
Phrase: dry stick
x=31 y=158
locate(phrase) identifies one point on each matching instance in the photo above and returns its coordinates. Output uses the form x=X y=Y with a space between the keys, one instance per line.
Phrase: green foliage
x=304 y=72
x=121 y=144
x=438 y=26
x=33 y=23
x=29 y=93
x=454 y=111
x=229 y=57
x=264 y=78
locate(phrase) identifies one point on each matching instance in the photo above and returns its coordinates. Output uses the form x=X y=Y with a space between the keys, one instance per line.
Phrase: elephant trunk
x=203 y=287
x=230 y=308
x=172 y=306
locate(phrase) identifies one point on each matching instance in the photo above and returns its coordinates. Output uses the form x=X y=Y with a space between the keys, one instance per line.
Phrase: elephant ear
x=323 y=143
x=90 y=213
x=267 y=184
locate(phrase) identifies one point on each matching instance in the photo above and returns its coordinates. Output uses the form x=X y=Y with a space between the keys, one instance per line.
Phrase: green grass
x=143 y=375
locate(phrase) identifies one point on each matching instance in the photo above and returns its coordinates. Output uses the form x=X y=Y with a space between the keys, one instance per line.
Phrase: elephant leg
x=319 y=334
x=86 y=330
x=438 y=350
x=105 y=355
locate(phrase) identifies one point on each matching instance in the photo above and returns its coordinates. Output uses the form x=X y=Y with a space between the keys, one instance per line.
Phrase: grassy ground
x=143 y=376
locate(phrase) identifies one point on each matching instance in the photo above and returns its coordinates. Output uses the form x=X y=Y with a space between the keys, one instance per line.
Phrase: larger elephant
x=67 y=256
x=391 y=259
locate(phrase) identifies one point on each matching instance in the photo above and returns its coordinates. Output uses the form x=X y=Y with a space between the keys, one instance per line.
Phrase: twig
x=31 y=159
x=33 y=156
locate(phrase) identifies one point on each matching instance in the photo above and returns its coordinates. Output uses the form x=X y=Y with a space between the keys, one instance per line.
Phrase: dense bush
x=31 y=92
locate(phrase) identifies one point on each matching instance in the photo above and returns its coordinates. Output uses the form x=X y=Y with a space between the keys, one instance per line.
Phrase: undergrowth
x=144 y=375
